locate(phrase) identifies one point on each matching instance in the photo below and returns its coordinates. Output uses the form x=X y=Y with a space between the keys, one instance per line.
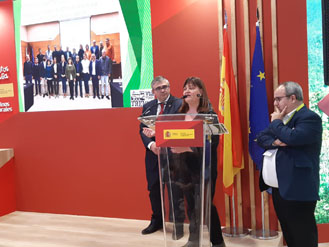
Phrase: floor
x=26 y=229
x=59 y=104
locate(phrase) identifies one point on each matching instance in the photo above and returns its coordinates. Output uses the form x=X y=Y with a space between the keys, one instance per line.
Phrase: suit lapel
x=154 y=108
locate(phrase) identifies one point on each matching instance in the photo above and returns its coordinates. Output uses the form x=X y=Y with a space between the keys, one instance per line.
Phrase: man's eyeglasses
x=164 y=87
x=278 y=99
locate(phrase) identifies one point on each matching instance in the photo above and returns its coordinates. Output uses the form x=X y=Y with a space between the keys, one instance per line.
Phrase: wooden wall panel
x=23 y=50
x=44 y=44
x=39 y=44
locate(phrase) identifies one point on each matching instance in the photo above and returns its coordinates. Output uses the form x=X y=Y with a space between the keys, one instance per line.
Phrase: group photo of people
x=71 y=72
x=71 y=61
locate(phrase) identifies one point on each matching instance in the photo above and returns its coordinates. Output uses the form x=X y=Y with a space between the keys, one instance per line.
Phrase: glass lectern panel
x=186 y=194
x=185 y=176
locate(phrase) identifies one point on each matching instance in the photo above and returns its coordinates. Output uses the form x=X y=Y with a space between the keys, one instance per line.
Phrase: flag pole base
x=264 y=234
x=235 y=232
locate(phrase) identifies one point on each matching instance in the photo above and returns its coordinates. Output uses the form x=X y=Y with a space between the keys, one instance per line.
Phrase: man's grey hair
x=159 y=79
x=293 y=88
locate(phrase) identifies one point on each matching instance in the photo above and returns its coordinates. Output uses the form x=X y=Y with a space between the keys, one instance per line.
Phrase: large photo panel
x=317 y=91
x=83 y=54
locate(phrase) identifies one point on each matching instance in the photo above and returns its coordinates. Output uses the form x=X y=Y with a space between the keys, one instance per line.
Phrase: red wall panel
x=7 y=188
x=8 y=56
x=79 y=162
x=292 y=43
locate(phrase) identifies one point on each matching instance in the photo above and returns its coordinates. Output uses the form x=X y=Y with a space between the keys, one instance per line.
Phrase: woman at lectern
x=190 y=163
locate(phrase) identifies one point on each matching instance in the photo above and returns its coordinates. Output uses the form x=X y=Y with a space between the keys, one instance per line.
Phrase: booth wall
x=78 y=162
x=7 y=188
x=92 y=162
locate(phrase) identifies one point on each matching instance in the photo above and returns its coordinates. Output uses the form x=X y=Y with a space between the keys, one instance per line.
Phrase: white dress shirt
x=270 y=176
x=85 y=66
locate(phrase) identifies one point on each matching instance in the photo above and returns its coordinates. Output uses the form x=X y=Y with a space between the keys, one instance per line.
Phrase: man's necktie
x=162 y=107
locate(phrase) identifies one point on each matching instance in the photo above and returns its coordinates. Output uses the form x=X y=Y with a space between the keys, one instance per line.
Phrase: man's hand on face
x=277 y=114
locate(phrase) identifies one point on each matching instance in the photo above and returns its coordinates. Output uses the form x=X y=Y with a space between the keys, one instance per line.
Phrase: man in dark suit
x=78 y=69
x=36 y=76
x=60 y=53
x=291 y=164
x=27 y=70
x=163 y=104
x=101 y=47
x=106 y=71
x=61 y=74
x=40 y=56
x=95 y=74
x=95 y=49
x=81 y=52
x=68 y=54
x=55 y=54
x=74 y=54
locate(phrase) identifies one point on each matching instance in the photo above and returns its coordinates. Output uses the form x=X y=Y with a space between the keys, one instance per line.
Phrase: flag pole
x=265 y=203
x=265 y=233
x=233 y=231
x=275 y=53
x=274 y=45
x=247 y=71
x=220 y=34
x=238 y=196
x=234 y=64
x=233 y=214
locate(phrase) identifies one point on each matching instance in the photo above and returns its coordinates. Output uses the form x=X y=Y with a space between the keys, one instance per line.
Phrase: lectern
x=185 y=174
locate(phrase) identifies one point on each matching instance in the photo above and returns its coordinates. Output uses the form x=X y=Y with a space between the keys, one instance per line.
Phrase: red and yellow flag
x=231 y=151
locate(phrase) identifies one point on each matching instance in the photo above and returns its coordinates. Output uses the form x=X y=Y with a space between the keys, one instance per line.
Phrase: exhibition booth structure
x=90 y=161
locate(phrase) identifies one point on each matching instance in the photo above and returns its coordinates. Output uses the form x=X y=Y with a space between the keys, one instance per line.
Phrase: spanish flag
x=231 y=151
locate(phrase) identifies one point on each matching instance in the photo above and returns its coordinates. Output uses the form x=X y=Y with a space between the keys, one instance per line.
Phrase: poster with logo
x=139 y=97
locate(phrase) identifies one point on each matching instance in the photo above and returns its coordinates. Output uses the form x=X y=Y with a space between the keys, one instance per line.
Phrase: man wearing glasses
x=292 y=144
x=163 y=104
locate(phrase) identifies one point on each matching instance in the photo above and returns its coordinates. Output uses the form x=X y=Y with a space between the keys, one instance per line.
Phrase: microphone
x=148 y=109
x=185 y=96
